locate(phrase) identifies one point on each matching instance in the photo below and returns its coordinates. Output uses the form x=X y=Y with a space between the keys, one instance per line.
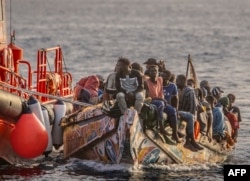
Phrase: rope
x=11 y=18
x=47 y=61
x=30 y=92
x=64 y=63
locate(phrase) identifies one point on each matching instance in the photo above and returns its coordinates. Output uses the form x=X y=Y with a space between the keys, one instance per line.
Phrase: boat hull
x=149 y=147
x=108 y=142
x=95 y=136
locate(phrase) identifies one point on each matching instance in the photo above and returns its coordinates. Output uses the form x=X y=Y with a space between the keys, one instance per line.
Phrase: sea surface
x=95 y=33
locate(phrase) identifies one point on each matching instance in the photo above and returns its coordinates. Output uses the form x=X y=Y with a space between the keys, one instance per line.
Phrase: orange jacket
x=90 y=83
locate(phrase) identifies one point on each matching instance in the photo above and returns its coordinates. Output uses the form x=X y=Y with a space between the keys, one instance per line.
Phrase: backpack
x=148 y=115
x=111 y=108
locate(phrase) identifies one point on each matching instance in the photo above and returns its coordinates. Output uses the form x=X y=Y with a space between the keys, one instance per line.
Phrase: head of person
x=217 y=92
x=191 y=82
x=199 y=94
x=204 y=83
x=224 y=101
x=205 y=87
x=150 y=62
x=166 y=75
x=181 y=81
x=172 y=78
x=211 y=100
x=123 y=65
x=162 y=66
x=137 y=66
x=153 y=71
x=231 y=98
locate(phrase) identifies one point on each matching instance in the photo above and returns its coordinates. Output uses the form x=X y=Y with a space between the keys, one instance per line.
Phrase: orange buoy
x=29 y=138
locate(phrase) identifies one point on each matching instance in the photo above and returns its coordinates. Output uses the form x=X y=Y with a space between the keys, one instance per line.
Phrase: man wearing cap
x=217 y=93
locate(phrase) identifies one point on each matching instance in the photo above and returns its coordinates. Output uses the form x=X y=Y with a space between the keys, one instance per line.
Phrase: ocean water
x=95 y=33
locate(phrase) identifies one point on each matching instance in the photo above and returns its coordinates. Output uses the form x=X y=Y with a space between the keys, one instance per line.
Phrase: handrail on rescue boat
x=29 y=72
x=56 y=82
x=62 y=80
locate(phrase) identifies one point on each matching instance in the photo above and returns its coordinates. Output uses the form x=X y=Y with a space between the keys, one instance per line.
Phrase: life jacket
x=111 y=108
x=90 y=83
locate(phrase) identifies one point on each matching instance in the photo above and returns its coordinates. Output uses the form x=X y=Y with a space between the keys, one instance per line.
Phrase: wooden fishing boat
x=32 y=102
x=90 y=134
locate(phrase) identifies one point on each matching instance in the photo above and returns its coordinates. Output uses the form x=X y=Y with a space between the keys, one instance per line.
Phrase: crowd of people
x=175 y=96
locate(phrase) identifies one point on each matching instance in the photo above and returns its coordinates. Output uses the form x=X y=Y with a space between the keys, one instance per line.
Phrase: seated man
x=129 y=86
x=204 y=115
x=205 y=88
x=154 y=90
x=233 y=108
x=189 y=118
x=234 y=116
x=219 y=127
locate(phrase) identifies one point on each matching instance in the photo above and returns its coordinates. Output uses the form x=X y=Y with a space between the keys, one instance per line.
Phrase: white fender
x=51 y=113
x=57 y=131
x=69 y=107
x=36 y=108
x=48 y=149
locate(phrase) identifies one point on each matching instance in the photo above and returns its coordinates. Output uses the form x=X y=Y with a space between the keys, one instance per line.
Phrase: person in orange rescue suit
x=217 y=92
x=86 y=89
